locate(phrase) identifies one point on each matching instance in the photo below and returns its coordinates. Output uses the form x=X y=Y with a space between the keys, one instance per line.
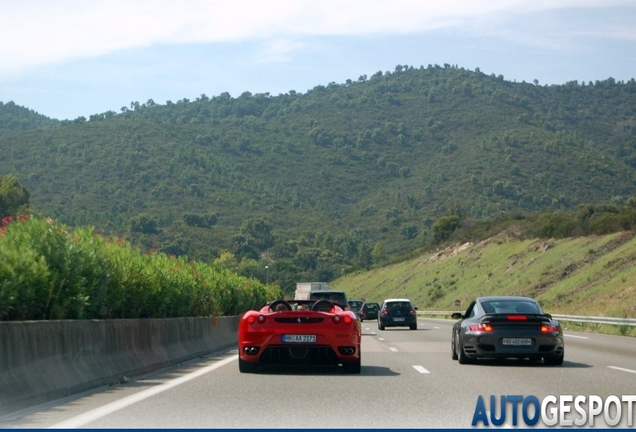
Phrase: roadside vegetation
x=591 y=275
x=49 y=271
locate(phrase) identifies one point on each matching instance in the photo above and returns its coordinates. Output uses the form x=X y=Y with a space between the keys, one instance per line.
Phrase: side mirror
x=456 y=315
x=415 y=308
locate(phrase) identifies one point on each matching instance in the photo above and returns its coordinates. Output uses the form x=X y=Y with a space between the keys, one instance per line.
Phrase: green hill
x=332 y=174
x=576 y=276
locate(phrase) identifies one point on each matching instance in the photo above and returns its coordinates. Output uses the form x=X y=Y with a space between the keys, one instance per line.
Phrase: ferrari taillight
x=251 y=319
x=261 y=319
x=347 y=319
x=549 y=328
x=480 y=328
x=517 y=317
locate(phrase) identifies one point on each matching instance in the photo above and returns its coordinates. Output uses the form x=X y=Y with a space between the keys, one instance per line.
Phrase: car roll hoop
x=280 y=306
x=322 y=306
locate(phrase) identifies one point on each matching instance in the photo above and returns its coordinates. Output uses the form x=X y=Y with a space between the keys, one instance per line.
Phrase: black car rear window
x=339 y=298
x=510 y=306
x=398 y=305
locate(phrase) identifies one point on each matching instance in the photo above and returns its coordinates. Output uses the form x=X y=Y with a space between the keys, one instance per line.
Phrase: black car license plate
x=516 y=341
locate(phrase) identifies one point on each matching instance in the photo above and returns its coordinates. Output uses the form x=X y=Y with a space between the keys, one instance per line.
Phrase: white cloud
x=41 y=32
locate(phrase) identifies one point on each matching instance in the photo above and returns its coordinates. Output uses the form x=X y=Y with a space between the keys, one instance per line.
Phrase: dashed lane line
x=420 y=369
x=577 y=337
x=622 y=369
x=393 y=349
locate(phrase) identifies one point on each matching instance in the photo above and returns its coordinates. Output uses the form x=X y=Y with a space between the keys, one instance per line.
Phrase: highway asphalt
x=408 y=380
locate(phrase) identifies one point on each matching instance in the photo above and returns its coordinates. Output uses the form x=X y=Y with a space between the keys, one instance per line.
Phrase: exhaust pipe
x=251 y=350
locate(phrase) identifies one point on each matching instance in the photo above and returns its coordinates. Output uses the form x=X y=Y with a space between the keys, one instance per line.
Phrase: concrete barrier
x=45 y=360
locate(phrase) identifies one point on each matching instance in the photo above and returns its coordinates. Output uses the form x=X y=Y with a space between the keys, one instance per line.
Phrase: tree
x=14 y=198
x=143 y=223
x=444 y=227
x=258 y=233
x=378 y=253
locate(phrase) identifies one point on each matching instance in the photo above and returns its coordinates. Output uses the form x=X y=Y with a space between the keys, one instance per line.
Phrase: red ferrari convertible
x=299 y=333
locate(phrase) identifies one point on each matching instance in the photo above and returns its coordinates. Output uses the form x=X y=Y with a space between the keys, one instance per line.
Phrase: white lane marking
x=578 y=337
x=420 y=369
x=380 y=338
x=622 y=369
x=372 y=333
x=435 y=327
x=393 y=349
x=89 y=416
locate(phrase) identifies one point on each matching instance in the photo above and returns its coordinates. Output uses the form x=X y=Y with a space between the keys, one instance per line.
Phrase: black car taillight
x=549 y=328
x=480 y=327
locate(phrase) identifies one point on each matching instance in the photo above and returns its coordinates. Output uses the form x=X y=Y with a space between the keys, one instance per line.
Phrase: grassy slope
x=575 y=276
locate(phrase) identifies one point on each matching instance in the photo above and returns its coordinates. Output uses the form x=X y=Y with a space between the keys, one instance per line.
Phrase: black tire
x=554 y=360
x=461 y=355
x=380 y=326
x=246 y=367
x=454 y=355
x=413 y=326
x=353 y=367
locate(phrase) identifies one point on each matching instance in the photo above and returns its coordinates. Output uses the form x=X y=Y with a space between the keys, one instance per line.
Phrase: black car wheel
x=413 y=326
x=461 y=355
x=246 y=367
x=453 y=349
x=380 y=326
x=554 y=360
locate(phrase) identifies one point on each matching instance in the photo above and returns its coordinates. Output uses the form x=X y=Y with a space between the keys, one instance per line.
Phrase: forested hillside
x=342 y=176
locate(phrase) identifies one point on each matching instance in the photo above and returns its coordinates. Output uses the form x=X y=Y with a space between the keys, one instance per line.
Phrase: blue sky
x=71 y=58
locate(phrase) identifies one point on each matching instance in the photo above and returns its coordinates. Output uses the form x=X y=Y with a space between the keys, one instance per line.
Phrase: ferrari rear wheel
x=246 y=367
x=353 y=367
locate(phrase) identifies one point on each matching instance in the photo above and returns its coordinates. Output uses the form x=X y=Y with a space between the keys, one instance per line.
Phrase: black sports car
x=506 y=327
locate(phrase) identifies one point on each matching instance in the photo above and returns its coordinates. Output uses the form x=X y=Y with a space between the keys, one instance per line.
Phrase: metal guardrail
x=596 y=320
x=570 y=318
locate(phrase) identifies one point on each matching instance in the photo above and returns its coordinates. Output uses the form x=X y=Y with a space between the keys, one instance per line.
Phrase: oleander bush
x=48 y=271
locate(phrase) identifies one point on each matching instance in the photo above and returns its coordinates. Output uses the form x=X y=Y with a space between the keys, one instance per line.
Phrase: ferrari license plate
x=299 y=338
x=398 y=319
x=516 y=341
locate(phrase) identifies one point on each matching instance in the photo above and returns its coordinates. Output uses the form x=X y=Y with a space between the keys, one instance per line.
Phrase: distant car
x=356 y=306
x=370 y=311
x=299 y=333
x=397 y=313
x=339 y=297
x=505 y=327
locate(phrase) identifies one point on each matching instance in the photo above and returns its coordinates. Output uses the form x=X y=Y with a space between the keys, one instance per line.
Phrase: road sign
x=458 y=303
